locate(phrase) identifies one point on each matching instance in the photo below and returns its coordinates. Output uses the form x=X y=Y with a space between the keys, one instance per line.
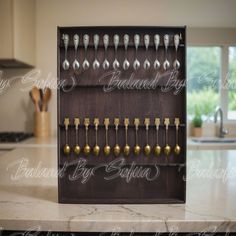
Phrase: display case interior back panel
x=110 y=93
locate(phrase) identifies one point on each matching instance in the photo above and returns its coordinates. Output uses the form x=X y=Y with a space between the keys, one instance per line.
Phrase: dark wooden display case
x=82 y=95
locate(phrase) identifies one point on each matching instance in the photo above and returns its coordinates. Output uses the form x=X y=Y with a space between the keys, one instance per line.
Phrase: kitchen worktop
x=52 y=142
x=28 y=198
x=31 y=142
x=209 y=145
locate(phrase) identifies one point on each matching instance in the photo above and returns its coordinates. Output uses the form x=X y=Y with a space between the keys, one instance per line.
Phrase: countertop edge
x=153 y=226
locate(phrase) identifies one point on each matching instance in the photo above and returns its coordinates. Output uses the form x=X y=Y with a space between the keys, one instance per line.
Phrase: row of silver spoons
x=126 y=63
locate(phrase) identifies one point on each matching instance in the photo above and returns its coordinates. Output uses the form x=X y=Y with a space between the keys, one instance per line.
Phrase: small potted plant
x=197 y=124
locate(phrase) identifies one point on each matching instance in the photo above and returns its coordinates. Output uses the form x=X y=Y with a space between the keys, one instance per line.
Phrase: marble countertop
x=209 y=145
x=52 y=142
x=31 y=142
x=28 y=198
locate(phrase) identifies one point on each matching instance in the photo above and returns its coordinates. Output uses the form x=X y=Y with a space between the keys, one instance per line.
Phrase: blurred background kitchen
x=28 y=34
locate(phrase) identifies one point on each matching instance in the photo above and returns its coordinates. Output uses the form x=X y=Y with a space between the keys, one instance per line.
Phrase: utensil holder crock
x=42 y=124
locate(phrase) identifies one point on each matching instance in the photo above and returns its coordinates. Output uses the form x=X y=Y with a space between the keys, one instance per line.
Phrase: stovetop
x=13 y=137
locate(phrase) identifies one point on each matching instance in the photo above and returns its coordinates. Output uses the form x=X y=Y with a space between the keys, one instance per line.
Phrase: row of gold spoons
x=117 y=149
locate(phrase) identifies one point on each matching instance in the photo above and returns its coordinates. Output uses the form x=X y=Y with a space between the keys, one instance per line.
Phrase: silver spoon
x=76 y=44
x=156 y=64
x=136 y=63
x=176 y=63
x=96 y=63
x=146 y=64
x=86 y=42
x=106 y=43
x=126 y=43
x=65 y=63
x=166 y=64
x=116 y=64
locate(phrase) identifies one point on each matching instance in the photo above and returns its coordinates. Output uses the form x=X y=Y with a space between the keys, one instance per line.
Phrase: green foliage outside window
x=203 y=74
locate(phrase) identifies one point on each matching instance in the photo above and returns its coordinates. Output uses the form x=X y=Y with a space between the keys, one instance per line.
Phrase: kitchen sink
x=214 y=140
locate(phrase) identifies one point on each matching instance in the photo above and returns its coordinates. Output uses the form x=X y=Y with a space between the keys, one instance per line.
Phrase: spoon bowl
x=76 y=65
x=136 y=64
x=65 y=64
x=85 y=64
x=167 y=150
x=127 y=150
x=176 y=64
x=166 y=65
x=106 y=64
x=137 y=150
x=146 y=64
x=126 y=64
x=107 y=150
x=147 y=150
x=66 y=149
x=117 y=150
x=87 y=149
x=77 y=149
x=156 y=65
x=157 y=150
x=96 y=64
x=177 y=149
x=116 y=64
x=96 y=150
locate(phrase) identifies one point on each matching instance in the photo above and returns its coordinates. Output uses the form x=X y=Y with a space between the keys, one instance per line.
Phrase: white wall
x=16 y=108
x=50 y=14
x=201 y=13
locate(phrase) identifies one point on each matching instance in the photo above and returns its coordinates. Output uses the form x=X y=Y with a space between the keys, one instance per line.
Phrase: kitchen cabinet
x=17 y=35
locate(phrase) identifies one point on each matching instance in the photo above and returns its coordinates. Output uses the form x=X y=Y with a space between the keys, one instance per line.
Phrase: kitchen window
x=211 y=75
x=232 y=84
x=203 y=75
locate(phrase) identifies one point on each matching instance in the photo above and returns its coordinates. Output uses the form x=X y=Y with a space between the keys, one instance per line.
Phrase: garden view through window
x=232 y=84
x=203 y=75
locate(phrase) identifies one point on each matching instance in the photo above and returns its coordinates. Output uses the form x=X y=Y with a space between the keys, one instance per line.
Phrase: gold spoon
x=137 y=148
x=127 y=147
x=147 y=148
x=177 y=149
x=96 y=148
x=116 y=147
x=167 y=148
x=86 y=147
x=77 y=147
x=66 y=148
x=107 y=148
x=157 y=148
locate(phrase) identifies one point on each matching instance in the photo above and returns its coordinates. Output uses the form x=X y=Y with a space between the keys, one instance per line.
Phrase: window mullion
x=223 y=88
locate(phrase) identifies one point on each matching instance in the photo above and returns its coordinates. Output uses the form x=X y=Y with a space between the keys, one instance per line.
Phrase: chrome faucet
x=223 y=131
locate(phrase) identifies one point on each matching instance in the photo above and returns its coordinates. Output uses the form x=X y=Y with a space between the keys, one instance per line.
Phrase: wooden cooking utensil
x=46 y=98
x=35 y=95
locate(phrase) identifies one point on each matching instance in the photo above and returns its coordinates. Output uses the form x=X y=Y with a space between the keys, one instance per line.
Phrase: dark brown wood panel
x=84 y=95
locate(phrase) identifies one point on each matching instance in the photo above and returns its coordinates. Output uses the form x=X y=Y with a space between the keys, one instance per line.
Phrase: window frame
x=224 y=63
x=230 y=121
